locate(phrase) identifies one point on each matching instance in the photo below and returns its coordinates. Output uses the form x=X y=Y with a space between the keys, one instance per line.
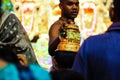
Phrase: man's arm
x=53 y=38
x=53 y=46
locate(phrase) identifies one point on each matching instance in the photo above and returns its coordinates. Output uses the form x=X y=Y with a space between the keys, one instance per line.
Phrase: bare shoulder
x=54 y=31
x=56 y=25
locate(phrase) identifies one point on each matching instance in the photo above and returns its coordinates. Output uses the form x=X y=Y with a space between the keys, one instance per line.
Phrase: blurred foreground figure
x=12 y=34
x=99 y=56
x=12 y=69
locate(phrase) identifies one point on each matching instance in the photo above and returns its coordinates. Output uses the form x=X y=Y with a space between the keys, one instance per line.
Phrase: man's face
x=70 y=8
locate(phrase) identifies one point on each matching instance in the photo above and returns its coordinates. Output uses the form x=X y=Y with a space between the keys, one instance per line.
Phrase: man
x=99 y=56
x=64 y=38
x=12 y=34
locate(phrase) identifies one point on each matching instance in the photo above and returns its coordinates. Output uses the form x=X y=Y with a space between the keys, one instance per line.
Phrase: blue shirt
x=11 y=72
x=99 y=56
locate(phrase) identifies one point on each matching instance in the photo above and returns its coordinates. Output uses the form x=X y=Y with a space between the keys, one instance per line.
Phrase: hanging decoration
x=7 y=5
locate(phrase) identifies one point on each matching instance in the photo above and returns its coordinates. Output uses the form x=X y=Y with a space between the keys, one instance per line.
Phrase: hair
x=0 y=3
x=65 y=74
x=61 y=1
x=1 y=11
x=116 y=4
x=7 y=54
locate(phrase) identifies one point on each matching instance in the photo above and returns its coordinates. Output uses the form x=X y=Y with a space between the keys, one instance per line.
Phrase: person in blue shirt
x=12 y=69
x=99 y=56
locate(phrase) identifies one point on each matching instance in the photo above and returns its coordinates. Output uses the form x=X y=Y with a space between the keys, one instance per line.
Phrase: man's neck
x=67 y=19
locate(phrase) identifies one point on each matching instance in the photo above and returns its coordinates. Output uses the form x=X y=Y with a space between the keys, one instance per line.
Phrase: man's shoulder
x=57 y=24
x=98 y=37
